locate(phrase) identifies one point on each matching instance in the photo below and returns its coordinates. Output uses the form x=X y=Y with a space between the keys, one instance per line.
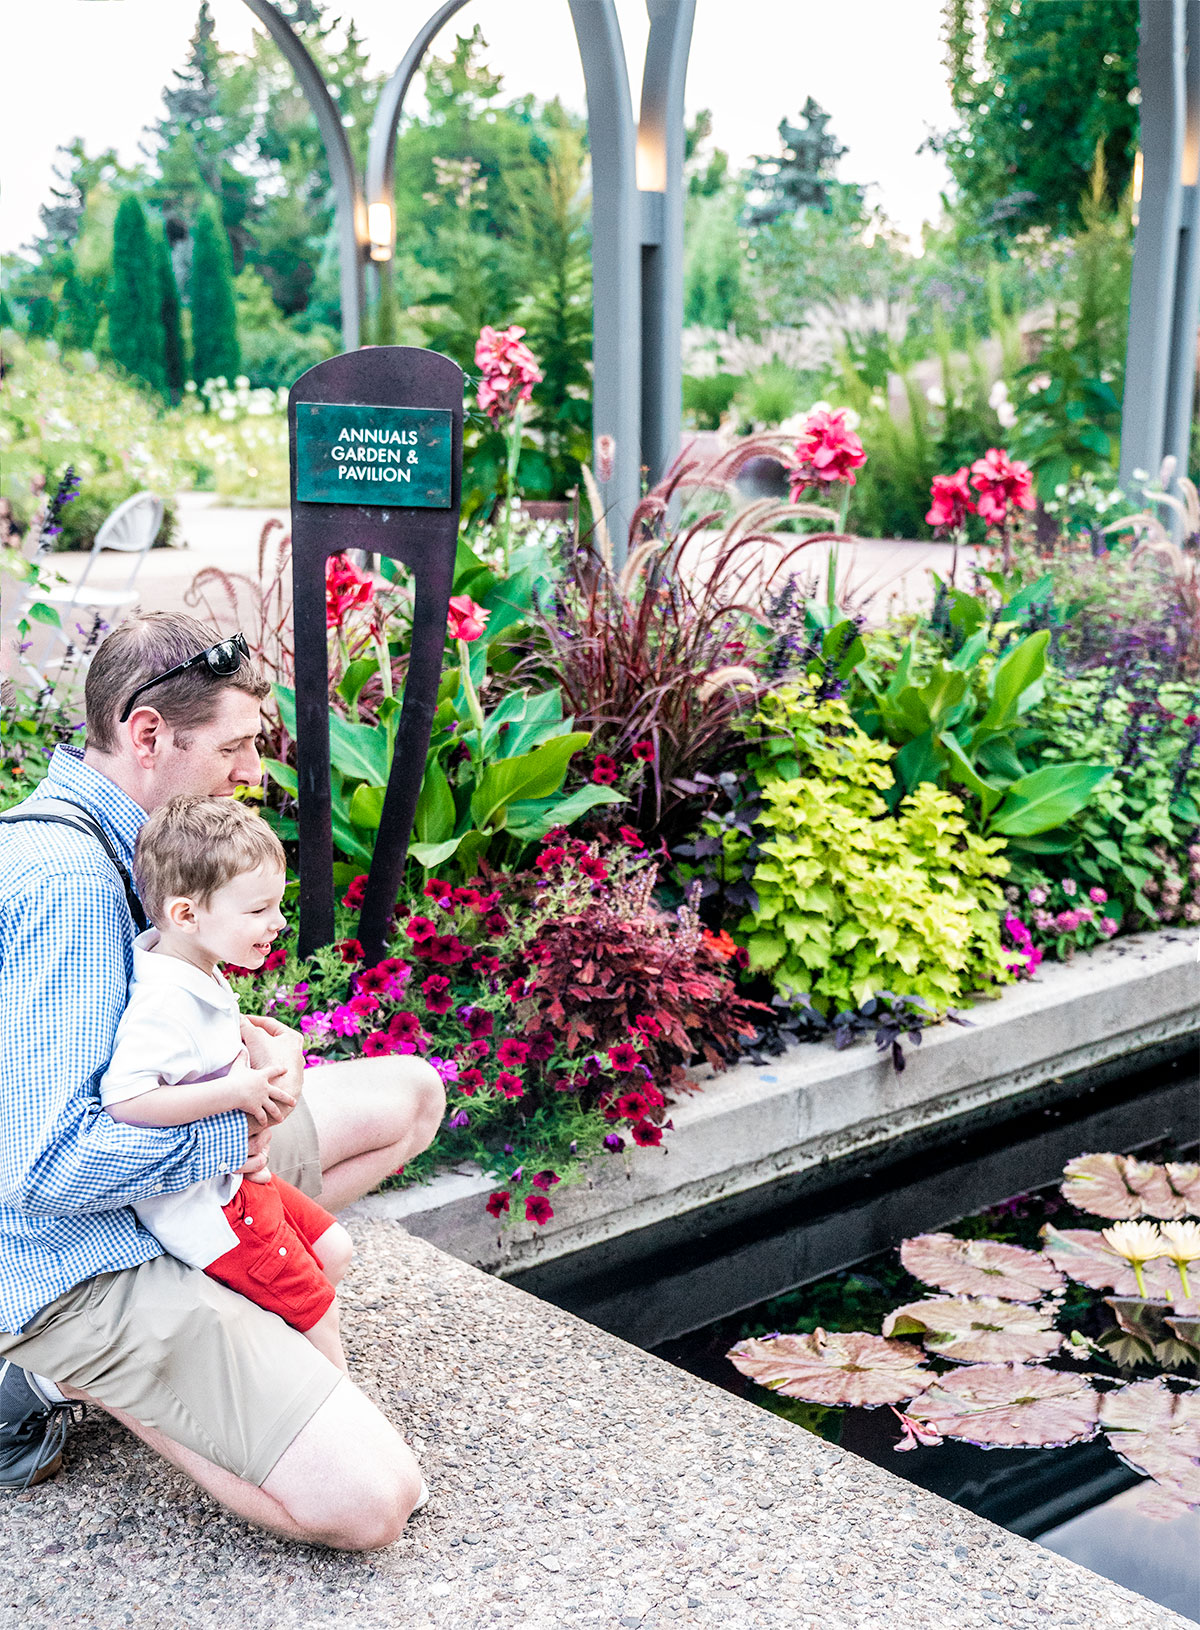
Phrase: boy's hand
x=264 y=1100
x=278 y=1050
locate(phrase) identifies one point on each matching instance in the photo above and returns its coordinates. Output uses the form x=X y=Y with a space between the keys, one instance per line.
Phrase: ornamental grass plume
x=1181 y=1245
x=1138 y=1243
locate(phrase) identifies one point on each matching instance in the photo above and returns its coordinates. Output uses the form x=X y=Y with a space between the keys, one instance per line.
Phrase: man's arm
x=62 y=992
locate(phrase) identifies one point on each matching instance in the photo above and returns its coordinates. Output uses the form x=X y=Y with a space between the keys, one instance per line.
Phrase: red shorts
x=273 y=1263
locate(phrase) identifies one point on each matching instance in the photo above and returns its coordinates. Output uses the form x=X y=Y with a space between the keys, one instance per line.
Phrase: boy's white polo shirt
x=181 y=1025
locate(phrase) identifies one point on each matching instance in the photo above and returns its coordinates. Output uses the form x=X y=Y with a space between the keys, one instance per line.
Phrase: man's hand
x=278 y=1050
x=264 y=1101
x=258 y=1144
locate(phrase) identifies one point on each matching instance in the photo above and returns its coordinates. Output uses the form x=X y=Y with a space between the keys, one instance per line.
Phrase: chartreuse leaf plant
x=854 y=898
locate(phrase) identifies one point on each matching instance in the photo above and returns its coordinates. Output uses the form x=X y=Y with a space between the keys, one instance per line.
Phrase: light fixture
x=379 y=230
x=651 y=164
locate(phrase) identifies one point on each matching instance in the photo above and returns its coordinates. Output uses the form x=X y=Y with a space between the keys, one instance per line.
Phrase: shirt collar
x=173 y=973
x=68 y=776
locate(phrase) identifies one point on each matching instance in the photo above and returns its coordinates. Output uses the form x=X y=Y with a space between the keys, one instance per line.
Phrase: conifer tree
x=215 y=350
x=135 y=334
x=174 y=357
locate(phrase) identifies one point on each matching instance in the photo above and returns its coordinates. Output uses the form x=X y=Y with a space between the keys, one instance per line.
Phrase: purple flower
x=614 y=1141
x=345 y=1020
x=446 y=1068
x=315 y=1024
x=461 y=1119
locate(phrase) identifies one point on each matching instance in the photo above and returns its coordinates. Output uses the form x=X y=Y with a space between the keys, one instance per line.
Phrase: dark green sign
x=390 y=457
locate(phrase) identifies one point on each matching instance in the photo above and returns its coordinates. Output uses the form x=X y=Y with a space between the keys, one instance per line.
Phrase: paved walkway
x=575 y=1481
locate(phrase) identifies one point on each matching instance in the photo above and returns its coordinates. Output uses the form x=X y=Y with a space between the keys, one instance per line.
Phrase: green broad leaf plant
x=855 y=897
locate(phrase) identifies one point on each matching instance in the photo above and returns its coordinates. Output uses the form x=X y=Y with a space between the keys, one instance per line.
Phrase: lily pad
x=1082 y=1254
x=1157 y=1431
x=1120 y=1186
x=1008 y=1406
x=978 y=1329
x=841 y=1367
x=979 y=1267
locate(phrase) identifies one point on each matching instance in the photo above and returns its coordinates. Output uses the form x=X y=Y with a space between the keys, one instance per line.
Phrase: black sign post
x=376 y=464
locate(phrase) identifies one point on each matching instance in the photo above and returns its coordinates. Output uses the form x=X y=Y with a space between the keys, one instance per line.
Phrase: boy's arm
x=176 y=1105
x=62 y=991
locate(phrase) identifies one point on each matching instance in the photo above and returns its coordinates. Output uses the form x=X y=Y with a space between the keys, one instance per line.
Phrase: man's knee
x=430 y=1098
x=367 y=1514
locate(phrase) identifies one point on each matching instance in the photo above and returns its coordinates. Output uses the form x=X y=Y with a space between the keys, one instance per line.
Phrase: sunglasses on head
x=221 y=660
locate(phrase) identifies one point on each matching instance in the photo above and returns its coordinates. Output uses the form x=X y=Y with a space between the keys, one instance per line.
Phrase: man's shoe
x=423 y=1497
x=32 y=1429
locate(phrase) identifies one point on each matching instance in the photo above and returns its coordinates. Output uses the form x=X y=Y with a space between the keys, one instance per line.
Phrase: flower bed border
x=752 y=1126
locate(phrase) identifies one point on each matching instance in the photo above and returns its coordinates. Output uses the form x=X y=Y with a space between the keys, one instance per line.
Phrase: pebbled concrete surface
x=575 y=1481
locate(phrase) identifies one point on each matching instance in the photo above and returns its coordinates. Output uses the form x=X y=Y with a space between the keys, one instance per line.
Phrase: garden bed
x=1110 y=1010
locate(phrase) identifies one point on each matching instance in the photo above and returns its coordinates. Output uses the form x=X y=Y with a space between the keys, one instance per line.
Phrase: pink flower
x=827 y=453
x=1067 y=922
x=345 y=1021
x=466 y=621
x=445 y=1067
x=1108 y=926
x=315 y=1024
x=1069 y=886
x=509 y=371
x=1037 y=896
x=1002 y=483
x=1098 y=897
x=346 y=589
x=952 y=501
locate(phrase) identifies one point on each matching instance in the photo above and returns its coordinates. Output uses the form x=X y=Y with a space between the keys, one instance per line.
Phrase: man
x=90 y=1307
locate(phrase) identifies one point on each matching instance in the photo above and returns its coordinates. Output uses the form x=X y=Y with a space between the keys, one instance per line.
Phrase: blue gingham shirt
x=68 y=1171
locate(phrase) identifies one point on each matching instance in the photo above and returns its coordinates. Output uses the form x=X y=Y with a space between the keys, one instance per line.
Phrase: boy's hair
x=194 y=846
x=140 y=648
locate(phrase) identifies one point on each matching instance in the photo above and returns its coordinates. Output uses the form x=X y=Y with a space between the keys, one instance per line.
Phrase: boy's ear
x=180 y=912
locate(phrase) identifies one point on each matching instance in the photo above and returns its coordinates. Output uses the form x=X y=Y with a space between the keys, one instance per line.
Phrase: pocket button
x=283 y=1250
x=249 y=1221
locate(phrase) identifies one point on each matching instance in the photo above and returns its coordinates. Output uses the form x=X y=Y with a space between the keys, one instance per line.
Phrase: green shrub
x=852 y=900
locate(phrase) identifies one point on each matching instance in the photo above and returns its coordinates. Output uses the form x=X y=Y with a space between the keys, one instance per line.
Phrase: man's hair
x=144 y=646
x=194 y=846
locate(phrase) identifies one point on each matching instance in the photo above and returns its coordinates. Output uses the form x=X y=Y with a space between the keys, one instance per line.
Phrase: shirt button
x=224 y=1169
x=283 y=1250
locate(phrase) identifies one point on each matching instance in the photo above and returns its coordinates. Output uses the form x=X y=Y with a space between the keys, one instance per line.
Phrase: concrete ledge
x=751 y=1126
x=575 y=1481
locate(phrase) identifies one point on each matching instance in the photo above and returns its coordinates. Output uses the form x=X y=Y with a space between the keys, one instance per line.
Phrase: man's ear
x=179 y=912
x=146 y=726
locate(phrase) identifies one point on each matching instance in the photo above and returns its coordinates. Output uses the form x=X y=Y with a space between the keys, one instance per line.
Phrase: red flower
x=377 y=1044
x=645 y=1134
x=478 y=1023
x=393 y=967
x=497 y=1202
x=633 y=1105
x=647 y=1026
x=538 y=1209
x=367 y=1002
x=346 y=589
x=545 y=1180
x=556 y=834
x=604 y=770
x=486 y=964
x=592 y=866
x=356 y=893
x=436 y=991
x=420 y=929
x=510 y=1085
x=652 y=1095
x=719 y=944
x=464 y=896
x=373 y=980
x=480 y=1048
x=952 y=501
x=349 y=950
x=404 y=1027
x=643 y=750
x=465 y=620
x=630 y=838
x=495 y=922
x=435 y=889
x=508 y=370
x=512 y=1052
x=469 y=1081
x=623 y=1057
x=741 y=957
x=550 y=859
x=827 y=453
x=274 y=959
x=516 y=990
x=1001 y=482
x=1191 y=720
x=541 y=1046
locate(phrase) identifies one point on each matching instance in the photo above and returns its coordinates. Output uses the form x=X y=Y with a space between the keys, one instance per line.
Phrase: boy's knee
x=335 y=1248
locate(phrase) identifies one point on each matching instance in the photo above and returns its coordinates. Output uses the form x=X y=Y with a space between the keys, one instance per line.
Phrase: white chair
x=131 y=528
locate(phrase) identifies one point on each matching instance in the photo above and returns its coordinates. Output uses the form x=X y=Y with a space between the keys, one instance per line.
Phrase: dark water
x=688 y=1290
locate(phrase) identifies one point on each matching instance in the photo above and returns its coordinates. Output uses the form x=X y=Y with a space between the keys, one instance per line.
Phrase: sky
x=96 y=69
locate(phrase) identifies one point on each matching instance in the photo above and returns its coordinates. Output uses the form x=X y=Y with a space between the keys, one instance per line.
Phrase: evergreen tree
x=135 y=334
x=215 y=350
x=799 y=177
x=174 y=356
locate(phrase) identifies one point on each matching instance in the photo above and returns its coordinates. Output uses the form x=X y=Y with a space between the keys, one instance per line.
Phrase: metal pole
x=660 y=156
x=348 y=205
x=1181 y=384
x=616 y=265
x=1161 y=48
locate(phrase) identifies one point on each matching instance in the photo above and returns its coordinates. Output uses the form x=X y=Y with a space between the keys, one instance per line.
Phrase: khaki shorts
x=294 y=1154
x=183 y=1354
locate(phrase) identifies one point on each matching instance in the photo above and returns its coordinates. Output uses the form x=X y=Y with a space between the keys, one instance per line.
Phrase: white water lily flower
x=1181 y=1245
x=1138 y=1243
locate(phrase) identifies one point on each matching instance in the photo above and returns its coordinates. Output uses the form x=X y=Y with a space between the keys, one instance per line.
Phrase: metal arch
x=661 y=125
x=616 y=261
x=381 y=151
x=1181 y=379
x=348 y=203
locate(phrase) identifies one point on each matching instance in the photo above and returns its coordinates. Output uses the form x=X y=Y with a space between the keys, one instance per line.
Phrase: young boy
x=210 y=874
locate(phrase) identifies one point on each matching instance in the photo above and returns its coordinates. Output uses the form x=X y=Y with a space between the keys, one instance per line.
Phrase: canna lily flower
x=952 y=501
x=466 y=620
x=1138 y=1243
x=1181 y=1245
